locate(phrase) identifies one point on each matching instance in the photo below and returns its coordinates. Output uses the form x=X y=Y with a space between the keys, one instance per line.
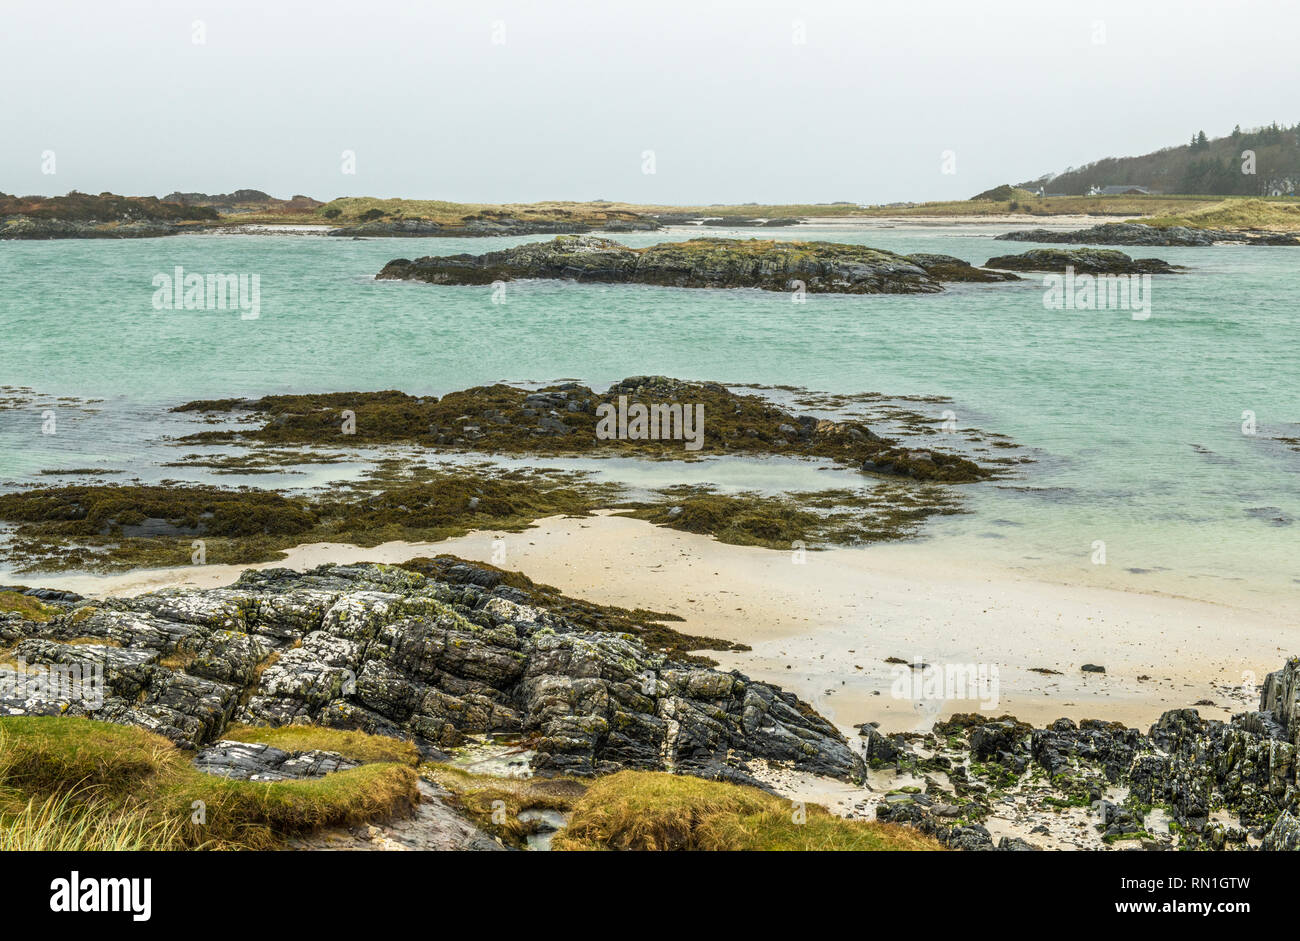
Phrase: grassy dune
x=68 y=783
x=1273 y=214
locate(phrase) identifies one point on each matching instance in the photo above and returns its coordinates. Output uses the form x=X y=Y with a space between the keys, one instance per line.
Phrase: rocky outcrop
x=1136 y=233
x=106 y=216
x=816 y=267
x=1190 y=771
x=392 y=652
x=948 y=268
x=1083 y=261
x=254 y=761
x=27 y=227
x=500 y=226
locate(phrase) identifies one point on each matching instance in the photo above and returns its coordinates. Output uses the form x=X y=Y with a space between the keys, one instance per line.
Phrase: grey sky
x=733 y=107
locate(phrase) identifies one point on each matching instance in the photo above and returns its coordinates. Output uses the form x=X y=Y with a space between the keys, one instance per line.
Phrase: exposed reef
x=815 y=267
x=1082 y=260
x=565 y=419
x=1186 y=783
x=1136 y=233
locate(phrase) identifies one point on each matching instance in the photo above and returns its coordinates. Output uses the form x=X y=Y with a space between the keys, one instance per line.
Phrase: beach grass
x=355 y=745
x=651 y=810
x=73 y=783
x=30 y=608
x=1271 y=214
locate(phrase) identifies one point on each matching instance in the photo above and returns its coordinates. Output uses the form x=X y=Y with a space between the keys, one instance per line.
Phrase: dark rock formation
x=106 y=216
x=948 y=268
x=391 y=652
x=1187 y=766
x=1083 y=261
x=1136 y=233
x=821 y=267
x=27 y=227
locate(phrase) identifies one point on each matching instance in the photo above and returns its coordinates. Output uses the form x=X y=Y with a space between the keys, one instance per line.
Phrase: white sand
x=824 y=628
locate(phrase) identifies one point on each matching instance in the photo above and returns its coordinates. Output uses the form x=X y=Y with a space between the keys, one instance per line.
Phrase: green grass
x=1236 y=214
x=90 y=785
x=649 y=810
x=72 y=820
x=358 y=746
x=30 y=608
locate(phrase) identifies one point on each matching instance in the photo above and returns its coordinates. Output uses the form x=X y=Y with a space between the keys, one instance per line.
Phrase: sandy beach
x=1027 y=220
x=825 y=626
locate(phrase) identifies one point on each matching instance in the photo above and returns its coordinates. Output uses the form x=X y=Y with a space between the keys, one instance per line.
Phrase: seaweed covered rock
x=390 y=651
x=816 y=267
x=566 y=418
x=1137 y=233
x=1082 y=260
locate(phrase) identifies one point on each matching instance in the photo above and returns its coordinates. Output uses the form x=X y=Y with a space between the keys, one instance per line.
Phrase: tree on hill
x=1204 y=165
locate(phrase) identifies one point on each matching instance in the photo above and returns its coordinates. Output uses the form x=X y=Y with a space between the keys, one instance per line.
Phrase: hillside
x=1212 y=167
x=106 y=207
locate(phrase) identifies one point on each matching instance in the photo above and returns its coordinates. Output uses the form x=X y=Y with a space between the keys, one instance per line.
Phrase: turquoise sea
x=1136 y=426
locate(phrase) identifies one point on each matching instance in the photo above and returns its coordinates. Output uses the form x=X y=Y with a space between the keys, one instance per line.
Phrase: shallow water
x=1136 y=424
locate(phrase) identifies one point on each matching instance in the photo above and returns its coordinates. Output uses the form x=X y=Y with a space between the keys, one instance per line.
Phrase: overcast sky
x=498 y=101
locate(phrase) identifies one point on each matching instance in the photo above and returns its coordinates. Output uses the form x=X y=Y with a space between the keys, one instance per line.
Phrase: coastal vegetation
x=562 y=419
x=70 y=783
x=79 y=215
x=112 y=527
x=647 y=810
x=50 y=531
x=1236 y=214
x=100 y=526
x=1220 y=166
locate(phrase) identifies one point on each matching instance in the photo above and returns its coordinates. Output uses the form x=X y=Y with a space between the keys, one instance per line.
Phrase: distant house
x=1126 y=189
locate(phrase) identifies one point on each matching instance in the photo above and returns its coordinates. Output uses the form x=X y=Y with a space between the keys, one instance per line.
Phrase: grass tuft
x=650 y=810
x=33 y=609
x=64 y=780
x=358 y=746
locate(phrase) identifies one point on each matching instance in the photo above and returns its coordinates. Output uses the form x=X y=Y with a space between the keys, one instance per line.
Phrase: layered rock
x=815 y=267
x=391 y=652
